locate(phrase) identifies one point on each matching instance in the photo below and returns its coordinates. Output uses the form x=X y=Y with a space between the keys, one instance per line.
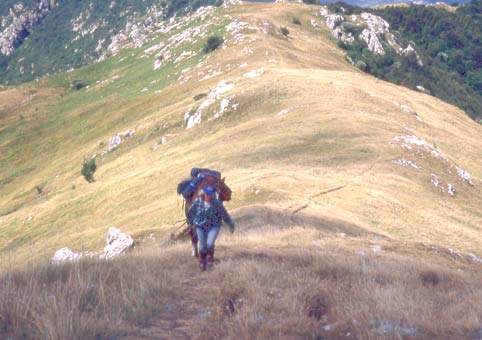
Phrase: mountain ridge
x=245 y=86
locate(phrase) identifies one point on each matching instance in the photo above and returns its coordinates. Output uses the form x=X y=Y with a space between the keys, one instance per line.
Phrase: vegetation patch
x=88 y=169
x=213 y=43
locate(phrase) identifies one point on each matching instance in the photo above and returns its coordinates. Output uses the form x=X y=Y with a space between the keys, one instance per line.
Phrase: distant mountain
x=38 y=37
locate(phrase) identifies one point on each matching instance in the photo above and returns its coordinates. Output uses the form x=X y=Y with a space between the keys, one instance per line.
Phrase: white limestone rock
x=117 y=243
x=373 y=42
x=334 y=20
x=254 y=73
x=229 y=3
x=375 y=23
x=114 y=142
x=422 y=89
x=340 y=34
x=65 y=255
x=374 y=34
x=194 y=118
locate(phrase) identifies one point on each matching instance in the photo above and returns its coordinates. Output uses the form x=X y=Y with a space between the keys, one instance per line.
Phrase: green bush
x=200 y=96
x=296 y=21
x=88 y=169
x=361 y=65
x=213 y=43
x=77 y=85
x=285 y=31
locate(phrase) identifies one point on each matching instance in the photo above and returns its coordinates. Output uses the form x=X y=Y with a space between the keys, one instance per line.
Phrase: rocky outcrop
x=117 y=244
x=334 y=20
x=373 y=35
x=116 y=140
x=65 y=255
x=376 y=35
x=194 y=117
x=16 y=25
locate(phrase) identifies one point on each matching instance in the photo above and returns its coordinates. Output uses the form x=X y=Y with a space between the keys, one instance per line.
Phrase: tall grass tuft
x=84 y=300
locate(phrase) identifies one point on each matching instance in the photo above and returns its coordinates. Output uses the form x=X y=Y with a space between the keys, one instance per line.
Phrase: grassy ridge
x=336 y=129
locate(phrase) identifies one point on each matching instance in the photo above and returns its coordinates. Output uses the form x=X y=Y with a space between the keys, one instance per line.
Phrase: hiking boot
x=210 y=257
x=203 y=260
x=194 y=252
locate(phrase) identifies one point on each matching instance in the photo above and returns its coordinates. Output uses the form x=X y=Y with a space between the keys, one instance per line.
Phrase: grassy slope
x=305 y=283
x=338 y=133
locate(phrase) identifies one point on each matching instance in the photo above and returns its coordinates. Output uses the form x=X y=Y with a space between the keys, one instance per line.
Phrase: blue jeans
x=207 y=238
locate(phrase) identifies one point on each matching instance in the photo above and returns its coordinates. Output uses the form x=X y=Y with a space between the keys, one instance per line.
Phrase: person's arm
x=227 y=218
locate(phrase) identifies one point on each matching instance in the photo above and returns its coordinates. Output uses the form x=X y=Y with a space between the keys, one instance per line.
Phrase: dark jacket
x=208 y=215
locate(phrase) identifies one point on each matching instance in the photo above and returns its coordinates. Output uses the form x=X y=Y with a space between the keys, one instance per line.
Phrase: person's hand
x=232 y=228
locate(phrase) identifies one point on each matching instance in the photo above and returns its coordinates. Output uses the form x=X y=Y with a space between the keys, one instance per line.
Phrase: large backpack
x=201 y=177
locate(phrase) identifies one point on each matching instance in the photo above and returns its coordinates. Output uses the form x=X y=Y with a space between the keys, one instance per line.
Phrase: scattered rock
x=282 y=112
x=129 y=133
x=422 y=89
x=117 y=243
x=464 y=175
x=334 y=20
x=405 y=162
x=475 y=258
x=65 y=255
x=195 y=118
x=114 y=142
x=254 y=73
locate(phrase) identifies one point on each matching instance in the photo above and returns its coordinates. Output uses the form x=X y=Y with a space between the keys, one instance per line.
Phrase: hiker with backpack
x=192 y=187
x=206 y=215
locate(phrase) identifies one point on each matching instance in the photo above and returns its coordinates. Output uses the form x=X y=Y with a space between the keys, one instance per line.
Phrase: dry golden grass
x=302 y=284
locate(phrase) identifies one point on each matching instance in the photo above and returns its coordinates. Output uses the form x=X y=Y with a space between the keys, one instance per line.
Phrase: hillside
x=39 y=37
x=328 y=159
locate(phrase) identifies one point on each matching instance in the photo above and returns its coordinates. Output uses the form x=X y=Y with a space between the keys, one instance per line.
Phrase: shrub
x=88 y=170
x=361 y=65
x=342 y=44
x=77 y=85
x=296 y=21
x=200 y=96
x=213 y=43
x=285 y=31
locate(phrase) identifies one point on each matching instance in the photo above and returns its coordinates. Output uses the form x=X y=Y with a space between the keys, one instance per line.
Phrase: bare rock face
x=376 y=24
x=373 y=42
x=117 y=243
x=373 y=35
x=16 y=26
x=334 y=20
x=340 y=34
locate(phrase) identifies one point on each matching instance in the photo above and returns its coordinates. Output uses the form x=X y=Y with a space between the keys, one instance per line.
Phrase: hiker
x=206 y=215
x=191 y=188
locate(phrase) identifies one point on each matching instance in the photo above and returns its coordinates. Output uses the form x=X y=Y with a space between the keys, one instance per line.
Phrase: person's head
x=209 y=192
